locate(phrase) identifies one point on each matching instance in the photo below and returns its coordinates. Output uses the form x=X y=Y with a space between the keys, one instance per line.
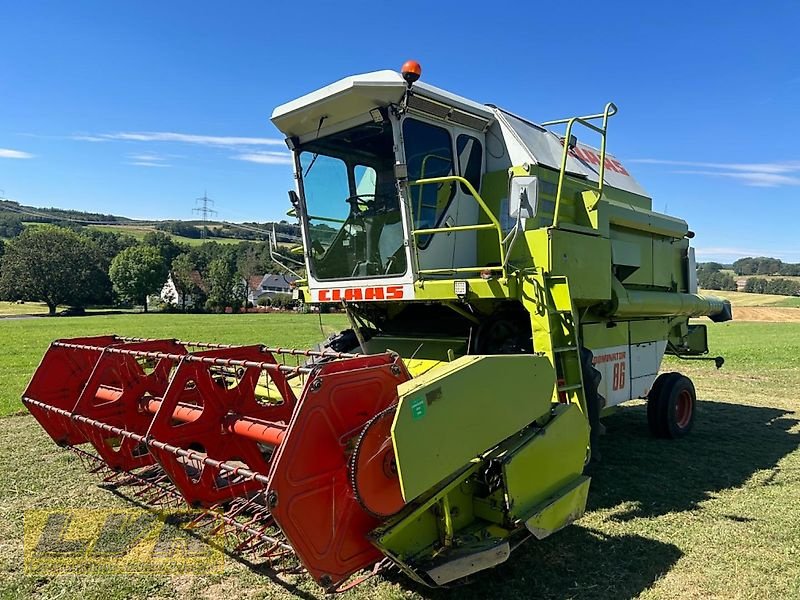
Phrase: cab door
x=435 y=149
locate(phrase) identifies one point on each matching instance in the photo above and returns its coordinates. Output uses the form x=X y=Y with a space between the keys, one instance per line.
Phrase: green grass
x=747 y=299
x=714 y=515
x=28 y=308
x=139 y=232
x=793 y=302
x=25 y=340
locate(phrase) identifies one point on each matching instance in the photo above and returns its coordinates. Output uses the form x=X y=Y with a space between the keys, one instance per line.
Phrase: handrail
x=328 y=219
x=495 y=224
x=609 y=111
x=433 y=230
x=423 y=166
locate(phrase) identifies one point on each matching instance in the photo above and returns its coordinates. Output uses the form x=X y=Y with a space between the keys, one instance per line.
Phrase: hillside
x=14 y=217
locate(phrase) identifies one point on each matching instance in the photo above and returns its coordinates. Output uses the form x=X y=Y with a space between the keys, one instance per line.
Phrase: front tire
x=671 y=406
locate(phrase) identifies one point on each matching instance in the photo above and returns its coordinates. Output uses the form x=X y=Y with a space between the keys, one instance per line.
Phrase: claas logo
x=389 y=292
x=590 y=157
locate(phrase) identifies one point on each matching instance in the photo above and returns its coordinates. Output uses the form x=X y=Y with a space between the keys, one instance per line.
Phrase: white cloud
x=147 y=157
x=754 y=179
x=265 y=158
x=8 y=153
x=182 y=138
x=88 y=138
x=148 y=164
x=773 y=174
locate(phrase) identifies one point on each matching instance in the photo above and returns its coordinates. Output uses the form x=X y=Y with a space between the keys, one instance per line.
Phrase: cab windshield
x=351 y=204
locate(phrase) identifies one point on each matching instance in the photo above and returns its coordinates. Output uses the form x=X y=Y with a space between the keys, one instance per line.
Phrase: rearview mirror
x=522 y=198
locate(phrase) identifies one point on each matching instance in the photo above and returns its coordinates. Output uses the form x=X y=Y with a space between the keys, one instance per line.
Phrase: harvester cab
x=507 y=287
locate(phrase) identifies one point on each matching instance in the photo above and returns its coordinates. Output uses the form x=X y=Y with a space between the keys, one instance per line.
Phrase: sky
x=139 y=108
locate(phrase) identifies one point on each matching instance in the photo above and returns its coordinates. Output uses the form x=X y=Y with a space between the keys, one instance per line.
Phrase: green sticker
x=418 y=408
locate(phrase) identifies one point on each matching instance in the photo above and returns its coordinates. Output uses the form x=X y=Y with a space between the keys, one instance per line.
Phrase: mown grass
x=24 y=341
x=139 y=232
x=28 y=308
x=714 y=515
x=747 y=299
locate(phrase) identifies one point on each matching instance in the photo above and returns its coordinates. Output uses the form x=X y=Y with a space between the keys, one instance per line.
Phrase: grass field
x=745 y=299
x=29 y=308
x=712 y=516
x=139 y=232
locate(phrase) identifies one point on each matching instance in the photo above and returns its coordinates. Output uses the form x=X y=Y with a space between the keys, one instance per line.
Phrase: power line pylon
x=203 y=210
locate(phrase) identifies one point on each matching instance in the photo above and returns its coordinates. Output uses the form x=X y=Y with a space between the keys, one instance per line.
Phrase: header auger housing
x=508 y=286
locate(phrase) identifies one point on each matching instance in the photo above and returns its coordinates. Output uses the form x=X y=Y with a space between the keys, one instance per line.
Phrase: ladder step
x=567 y=388
x=561 y=312
x=565 y=349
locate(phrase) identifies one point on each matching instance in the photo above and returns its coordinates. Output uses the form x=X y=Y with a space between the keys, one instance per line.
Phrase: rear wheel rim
x=683 y=409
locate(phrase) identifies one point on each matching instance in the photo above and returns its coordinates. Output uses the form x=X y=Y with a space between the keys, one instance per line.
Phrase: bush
x=709 y=277
x=282 y=301
x=778 y=286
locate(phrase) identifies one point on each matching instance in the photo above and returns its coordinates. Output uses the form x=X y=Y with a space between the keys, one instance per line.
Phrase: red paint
x=589 y=156
x=388 y=292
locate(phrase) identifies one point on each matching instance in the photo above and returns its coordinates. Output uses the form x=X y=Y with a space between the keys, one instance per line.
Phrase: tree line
x=711 y=276
x=778 y=285
x=764 y=265
x=61 y=266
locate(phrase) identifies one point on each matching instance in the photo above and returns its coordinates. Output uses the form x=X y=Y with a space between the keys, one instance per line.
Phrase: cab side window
x=470 y=161
x=429 y=153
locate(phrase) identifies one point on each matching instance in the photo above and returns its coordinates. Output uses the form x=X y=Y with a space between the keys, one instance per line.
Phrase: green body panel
x=490 y=289
x=561 y=509
x=696 y=340
x=542 y=490
x=555 y=454
x=437 y=348
x=576 y=256
x=649 y=330
x=494 y=187
x=456 y=412
x=600 y=335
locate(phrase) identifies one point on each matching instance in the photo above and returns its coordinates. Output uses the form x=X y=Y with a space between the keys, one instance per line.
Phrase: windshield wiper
x=316 y=154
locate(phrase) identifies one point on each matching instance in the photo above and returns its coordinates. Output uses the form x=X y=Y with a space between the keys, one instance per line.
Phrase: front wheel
x=671 y=406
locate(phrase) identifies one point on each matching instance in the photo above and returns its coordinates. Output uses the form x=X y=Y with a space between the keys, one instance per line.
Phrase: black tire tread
x=656 y=411
x=661 y=405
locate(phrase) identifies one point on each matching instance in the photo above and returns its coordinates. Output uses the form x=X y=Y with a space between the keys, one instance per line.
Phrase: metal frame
x=495 y=224
x=609 y=111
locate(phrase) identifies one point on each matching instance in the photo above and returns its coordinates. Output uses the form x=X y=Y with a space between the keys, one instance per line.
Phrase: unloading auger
x=507 y=288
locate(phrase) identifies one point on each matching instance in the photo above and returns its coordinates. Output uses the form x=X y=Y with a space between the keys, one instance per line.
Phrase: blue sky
x=137 y=108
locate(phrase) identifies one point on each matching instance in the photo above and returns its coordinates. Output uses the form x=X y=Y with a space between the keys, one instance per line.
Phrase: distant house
x=171 y=294
x=268 y=285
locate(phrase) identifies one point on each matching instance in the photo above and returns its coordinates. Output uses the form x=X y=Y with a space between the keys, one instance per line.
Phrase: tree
x=138 y=272
x=109 y=243
x=52 y=265
x=183 y=269
x=755 y=285
x=165 y=245
x=226 y=286
x=10 y=225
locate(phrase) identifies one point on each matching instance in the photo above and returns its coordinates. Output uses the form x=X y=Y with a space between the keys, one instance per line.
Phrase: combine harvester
x=507 y=287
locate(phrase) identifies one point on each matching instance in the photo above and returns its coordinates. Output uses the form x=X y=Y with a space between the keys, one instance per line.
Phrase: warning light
x=411 y=71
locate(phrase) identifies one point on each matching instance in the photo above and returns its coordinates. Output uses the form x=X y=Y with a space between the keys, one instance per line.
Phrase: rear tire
x=671 y=406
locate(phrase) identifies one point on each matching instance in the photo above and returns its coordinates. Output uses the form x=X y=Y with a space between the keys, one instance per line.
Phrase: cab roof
x=349 y=100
